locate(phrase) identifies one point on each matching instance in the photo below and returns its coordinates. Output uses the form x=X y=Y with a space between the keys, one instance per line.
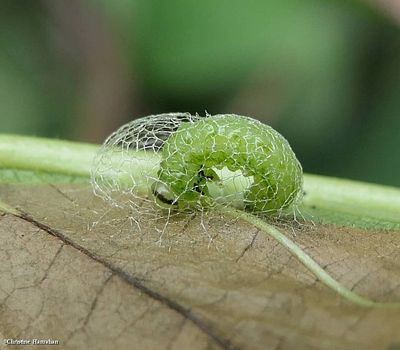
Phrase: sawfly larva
x=195 y=156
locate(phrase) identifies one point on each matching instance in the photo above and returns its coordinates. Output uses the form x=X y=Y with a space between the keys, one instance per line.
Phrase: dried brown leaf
x=75 y=270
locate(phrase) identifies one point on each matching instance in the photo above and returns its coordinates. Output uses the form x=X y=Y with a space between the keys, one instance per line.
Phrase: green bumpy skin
x=191 y=155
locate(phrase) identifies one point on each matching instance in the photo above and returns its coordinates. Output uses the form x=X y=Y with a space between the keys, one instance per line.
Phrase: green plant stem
x=47 y=155
x=326 y=199
x=325 y=195
x=303 y=257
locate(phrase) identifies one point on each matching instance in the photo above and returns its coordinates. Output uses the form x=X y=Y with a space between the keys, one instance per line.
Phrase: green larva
x=192 y=156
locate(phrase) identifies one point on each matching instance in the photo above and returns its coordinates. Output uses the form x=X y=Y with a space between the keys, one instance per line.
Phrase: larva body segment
x=192 y=156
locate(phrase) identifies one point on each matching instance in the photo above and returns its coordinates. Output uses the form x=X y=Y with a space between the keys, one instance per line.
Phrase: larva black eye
x=164 y=197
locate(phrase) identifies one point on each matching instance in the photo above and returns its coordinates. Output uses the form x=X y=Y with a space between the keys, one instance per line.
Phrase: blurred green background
x=326 y=74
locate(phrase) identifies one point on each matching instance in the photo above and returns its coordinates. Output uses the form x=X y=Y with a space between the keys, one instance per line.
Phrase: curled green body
x=192 y=155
